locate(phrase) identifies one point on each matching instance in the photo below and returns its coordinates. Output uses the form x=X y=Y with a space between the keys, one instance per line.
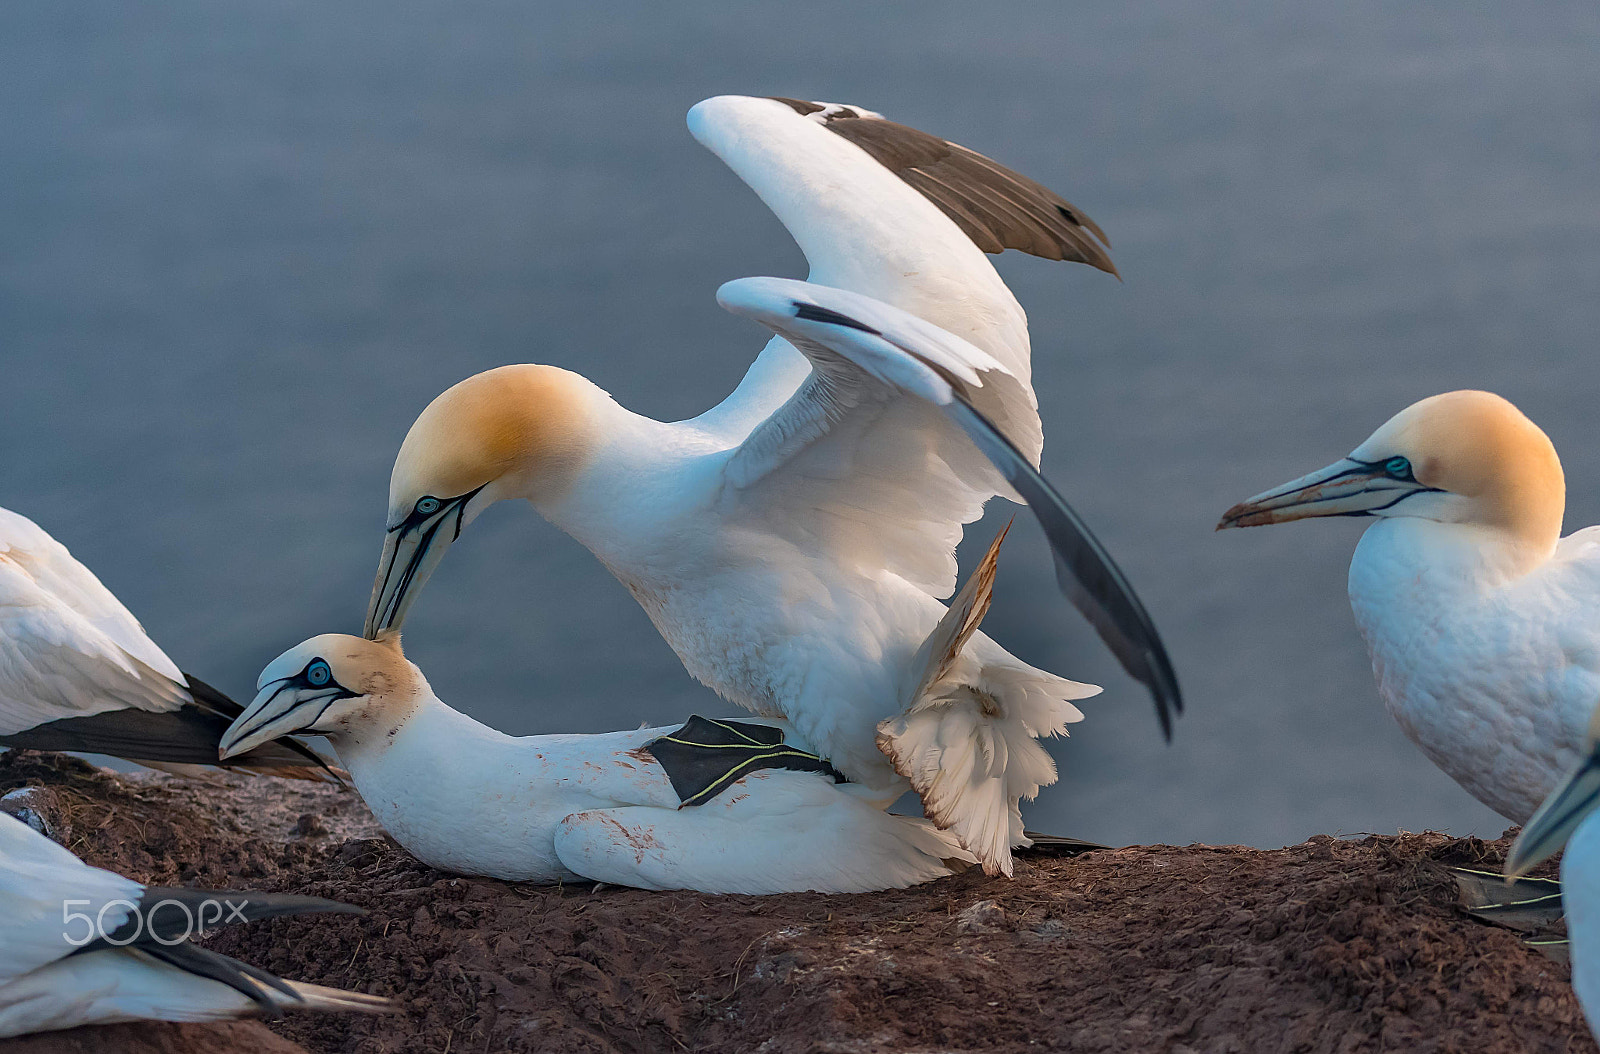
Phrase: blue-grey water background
x=243 y=243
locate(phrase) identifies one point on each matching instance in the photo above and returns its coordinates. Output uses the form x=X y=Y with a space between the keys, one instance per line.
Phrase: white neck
x=644 y=481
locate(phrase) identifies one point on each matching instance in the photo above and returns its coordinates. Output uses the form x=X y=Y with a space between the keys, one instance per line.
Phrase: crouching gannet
x=77 y=672
x=1483 y=623
x=82 y=946
x=1568 y=817
x=463 y=797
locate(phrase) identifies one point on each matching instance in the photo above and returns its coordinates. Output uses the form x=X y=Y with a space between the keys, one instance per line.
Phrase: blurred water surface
x=243 y=243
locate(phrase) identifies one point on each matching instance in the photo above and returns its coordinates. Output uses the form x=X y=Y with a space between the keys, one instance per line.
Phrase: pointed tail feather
x=271 y=994
x=968 y=743
x=318 y=997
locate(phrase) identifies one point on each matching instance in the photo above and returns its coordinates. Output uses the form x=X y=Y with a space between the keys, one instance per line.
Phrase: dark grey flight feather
x=997 y=208
x=159 y=929
x=157 y=922
x=186 y=736
x=203 y=962
x=1084 y=570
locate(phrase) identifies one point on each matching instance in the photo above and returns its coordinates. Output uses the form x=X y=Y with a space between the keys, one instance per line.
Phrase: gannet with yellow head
x=465 y=798
x=792 y=543
x=1482 y=622
x=84 y=946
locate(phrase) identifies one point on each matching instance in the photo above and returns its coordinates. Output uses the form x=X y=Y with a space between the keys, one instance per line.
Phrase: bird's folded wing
x=76 y=588
x=56 y=663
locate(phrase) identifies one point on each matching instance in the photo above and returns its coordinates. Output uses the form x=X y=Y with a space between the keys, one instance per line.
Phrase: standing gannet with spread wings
x=791 y=543
x=1483 y=623
x=82 y=946
x=77 y=671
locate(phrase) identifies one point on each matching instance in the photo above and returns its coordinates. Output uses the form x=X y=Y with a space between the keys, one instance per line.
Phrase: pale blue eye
x=1398 y=467
x=319 y=674
x=428 y=506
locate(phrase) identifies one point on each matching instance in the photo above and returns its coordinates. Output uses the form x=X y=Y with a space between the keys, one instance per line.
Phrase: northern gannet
x=83 y=946
x=790 y=544
x=77 y=671
x=1482 y=622
x=463 y=797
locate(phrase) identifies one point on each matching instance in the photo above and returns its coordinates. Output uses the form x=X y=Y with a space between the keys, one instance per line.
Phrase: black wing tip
x=254 y=904
x=1117 y=614
x=997 y=207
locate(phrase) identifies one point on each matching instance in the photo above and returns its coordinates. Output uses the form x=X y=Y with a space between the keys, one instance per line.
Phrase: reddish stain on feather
x=640 y=841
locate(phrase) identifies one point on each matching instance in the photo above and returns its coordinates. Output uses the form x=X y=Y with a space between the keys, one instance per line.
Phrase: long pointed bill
x=411 y=551
x=1345 y=488
x=1557 y=818
x=278 y=709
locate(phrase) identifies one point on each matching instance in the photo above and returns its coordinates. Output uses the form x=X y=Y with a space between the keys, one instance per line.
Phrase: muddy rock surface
x=1331 y=946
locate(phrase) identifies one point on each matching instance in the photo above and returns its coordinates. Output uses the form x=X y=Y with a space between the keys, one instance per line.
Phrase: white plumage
x=52 y=905
x=68 y=648
x=791 y=544
x=463 y=797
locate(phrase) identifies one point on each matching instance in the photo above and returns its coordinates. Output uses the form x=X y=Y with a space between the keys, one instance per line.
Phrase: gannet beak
x=1345 y=488
x=1557 y=818
x=411 y=550
x=281 y=707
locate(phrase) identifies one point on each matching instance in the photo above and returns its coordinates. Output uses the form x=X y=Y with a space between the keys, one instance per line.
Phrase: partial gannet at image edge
x=1569 y=818
x=78 y=672
x=1482 y=622
x=83 y=946
x=792 y=543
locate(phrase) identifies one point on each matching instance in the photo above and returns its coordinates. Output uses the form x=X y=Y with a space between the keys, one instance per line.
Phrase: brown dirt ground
x=1331 y=946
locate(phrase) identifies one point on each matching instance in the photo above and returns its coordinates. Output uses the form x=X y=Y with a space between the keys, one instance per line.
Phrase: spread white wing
x=900 y=424
x=68 y=648
x=903 y=217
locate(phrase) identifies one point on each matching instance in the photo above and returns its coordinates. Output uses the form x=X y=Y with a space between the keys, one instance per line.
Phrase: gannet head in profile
x=512 y=432
x=1572 y=802
x=1464 y=457
x=327 y=684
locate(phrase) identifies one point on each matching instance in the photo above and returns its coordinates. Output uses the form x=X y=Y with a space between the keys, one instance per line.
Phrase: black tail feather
x=186 y=736
x=170 y=913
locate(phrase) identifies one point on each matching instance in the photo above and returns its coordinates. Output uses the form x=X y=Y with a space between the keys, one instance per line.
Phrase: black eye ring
x=1398 y=467
x=319 y=674
x=428 y=505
